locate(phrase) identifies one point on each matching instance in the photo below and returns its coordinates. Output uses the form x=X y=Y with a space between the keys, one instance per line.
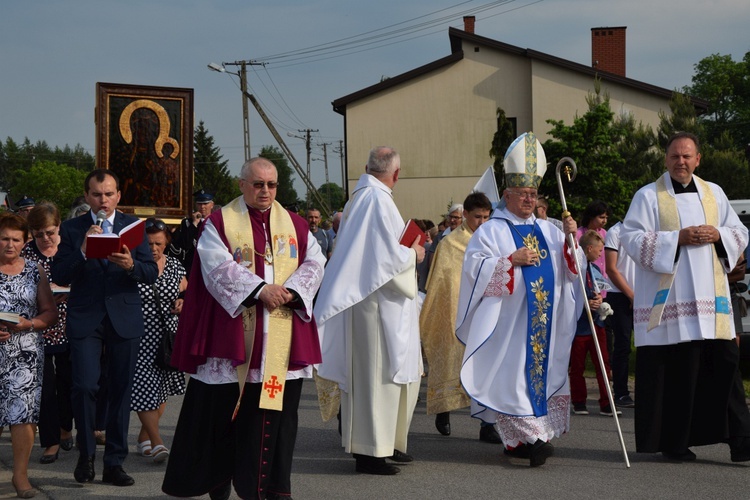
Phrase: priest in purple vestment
x=248 y=338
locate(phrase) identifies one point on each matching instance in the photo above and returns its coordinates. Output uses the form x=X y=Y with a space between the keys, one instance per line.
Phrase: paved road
x=588 y=463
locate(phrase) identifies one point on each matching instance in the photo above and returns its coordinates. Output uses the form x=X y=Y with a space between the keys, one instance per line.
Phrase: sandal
x=160 y=453
x=144 y=448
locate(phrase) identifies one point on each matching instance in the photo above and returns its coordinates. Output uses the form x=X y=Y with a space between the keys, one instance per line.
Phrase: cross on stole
x=272 y=386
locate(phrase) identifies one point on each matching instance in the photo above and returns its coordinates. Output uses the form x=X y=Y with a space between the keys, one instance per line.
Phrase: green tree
x=725 y=84
x=285 y=193
x=502 y=139
x=17 y=158
x=333 y=195
x=601 y=146
x=51 y=181
x=211 y=172
x=721 y=161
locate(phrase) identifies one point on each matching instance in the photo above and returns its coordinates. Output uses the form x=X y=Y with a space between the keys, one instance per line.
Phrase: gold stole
x=238 y=231
x=669 y=220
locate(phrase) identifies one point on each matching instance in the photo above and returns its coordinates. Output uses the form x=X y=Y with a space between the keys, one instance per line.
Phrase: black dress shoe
x=67 y=444
x=401 y=457
x=49 y=459
x=443 y=423
x=84 y=472
x=372 y=465
x=539 y=453
x=739 y=449
x=221 y=492
x=679 y=456
x=520 y=451
x=488 y=434
x=116 y=476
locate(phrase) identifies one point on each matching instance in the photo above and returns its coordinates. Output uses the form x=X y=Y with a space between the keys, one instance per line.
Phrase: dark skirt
x=255 y=452
x=687 y=396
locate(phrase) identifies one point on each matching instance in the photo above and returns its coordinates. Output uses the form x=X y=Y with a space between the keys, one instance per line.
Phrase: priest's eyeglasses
x=260 y=184
x=525 y=196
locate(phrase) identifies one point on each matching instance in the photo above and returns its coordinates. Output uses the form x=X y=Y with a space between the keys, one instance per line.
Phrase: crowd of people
x=250 y=299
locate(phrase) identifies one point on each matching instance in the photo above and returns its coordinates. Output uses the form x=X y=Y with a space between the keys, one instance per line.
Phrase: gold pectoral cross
x=532 y=243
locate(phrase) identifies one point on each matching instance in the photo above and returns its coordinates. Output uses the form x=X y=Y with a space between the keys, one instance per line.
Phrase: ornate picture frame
x=144 y=134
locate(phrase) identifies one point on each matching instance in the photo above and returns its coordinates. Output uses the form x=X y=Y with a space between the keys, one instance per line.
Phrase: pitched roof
x=458 y=36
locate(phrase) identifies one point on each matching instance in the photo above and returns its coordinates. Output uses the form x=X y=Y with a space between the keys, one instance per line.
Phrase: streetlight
x=243 y=86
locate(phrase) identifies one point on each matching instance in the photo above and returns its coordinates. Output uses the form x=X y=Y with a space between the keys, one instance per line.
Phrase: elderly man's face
x=520 y=201
x=259 y=189
x=454 y=219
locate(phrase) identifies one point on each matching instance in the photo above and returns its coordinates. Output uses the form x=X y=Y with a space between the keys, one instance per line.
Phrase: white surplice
x=230 y=283
x=689 y=310
x=492 y=323
x=368 y=323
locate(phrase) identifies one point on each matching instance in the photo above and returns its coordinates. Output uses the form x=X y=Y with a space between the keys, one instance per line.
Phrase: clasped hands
x=698 y=235
x=274 y=296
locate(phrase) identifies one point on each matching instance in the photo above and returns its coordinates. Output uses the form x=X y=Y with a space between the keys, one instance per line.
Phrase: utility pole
x=308 y=148
x=325 y=163
x=340 y=151
x=245 y=114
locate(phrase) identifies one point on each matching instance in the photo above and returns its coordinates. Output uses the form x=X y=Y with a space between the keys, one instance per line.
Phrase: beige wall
x=442 y=123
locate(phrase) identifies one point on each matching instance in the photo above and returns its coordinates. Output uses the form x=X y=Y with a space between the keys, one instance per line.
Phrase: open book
x=100 y=246
x=10 y=317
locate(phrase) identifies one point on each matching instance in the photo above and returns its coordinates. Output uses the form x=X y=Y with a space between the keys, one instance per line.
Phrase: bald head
x=258 y=183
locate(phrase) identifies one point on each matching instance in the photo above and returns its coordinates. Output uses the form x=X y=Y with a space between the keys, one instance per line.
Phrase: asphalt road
x=588 y=463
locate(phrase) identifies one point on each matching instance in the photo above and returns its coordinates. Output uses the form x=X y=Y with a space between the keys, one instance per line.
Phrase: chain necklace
x=268 y=255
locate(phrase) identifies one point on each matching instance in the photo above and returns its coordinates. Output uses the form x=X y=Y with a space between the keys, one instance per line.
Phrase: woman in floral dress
x=25 y=292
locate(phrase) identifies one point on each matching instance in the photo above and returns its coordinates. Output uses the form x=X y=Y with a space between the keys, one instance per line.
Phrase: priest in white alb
x=684 y=237
x=368 y=321
x=517 y=313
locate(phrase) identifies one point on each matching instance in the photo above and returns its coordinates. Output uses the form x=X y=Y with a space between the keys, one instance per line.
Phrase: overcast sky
x=53 y=53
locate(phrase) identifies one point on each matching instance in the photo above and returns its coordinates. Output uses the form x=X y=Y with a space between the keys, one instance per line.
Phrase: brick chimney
x=469 y=23
x=608 y=49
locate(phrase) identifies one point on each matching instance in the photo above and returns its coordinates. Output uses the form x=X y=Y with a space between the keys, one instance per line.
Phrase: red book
x=100 y=246
x=411 y=233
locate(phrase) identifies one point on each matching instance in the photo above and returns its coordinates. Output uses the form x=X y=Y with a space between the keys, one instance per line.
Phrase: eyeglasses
x=41 y=234
x=525 y=196
x=156 y=223
x=260 y=184
x=455 y=217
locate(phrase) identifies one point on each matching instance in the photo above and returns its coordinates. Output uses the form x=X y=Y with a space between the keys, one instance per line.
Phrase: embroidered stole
x=238 y=231
x=540 y=285
x=669 y=220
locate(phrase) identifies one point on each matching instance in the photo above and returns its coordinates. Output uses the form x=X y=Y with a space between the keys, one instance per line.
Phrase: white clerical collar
x=518 y=220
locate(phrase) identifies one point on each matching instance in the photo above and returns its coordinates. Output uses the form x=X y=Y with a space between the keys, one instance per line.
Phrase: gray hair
x=456 y=206
x=382 y=161
x=78 y=210
x=260 y=161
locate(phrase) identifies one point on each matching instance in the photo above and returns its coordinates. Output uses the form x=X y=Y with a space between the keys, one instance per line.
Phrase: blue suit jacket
x=97 y=288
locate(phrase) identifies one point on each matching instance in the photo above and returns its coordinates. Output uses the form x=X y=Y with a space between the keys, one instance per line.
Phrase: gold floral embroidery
x=539 y=340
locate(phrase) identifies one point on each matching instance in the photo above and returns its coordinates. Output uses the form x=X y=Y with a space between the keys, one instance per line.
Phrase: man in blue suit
x=104 y=313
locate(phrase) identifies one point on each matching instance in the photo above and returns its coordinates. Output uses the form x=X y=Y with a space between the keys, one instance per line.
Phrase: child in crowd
x=593 y=246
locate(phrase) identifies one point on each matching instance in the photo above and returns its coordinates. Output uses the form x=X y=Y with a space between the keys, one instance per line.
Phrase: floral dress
x=21 y=356
x=152 y=385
